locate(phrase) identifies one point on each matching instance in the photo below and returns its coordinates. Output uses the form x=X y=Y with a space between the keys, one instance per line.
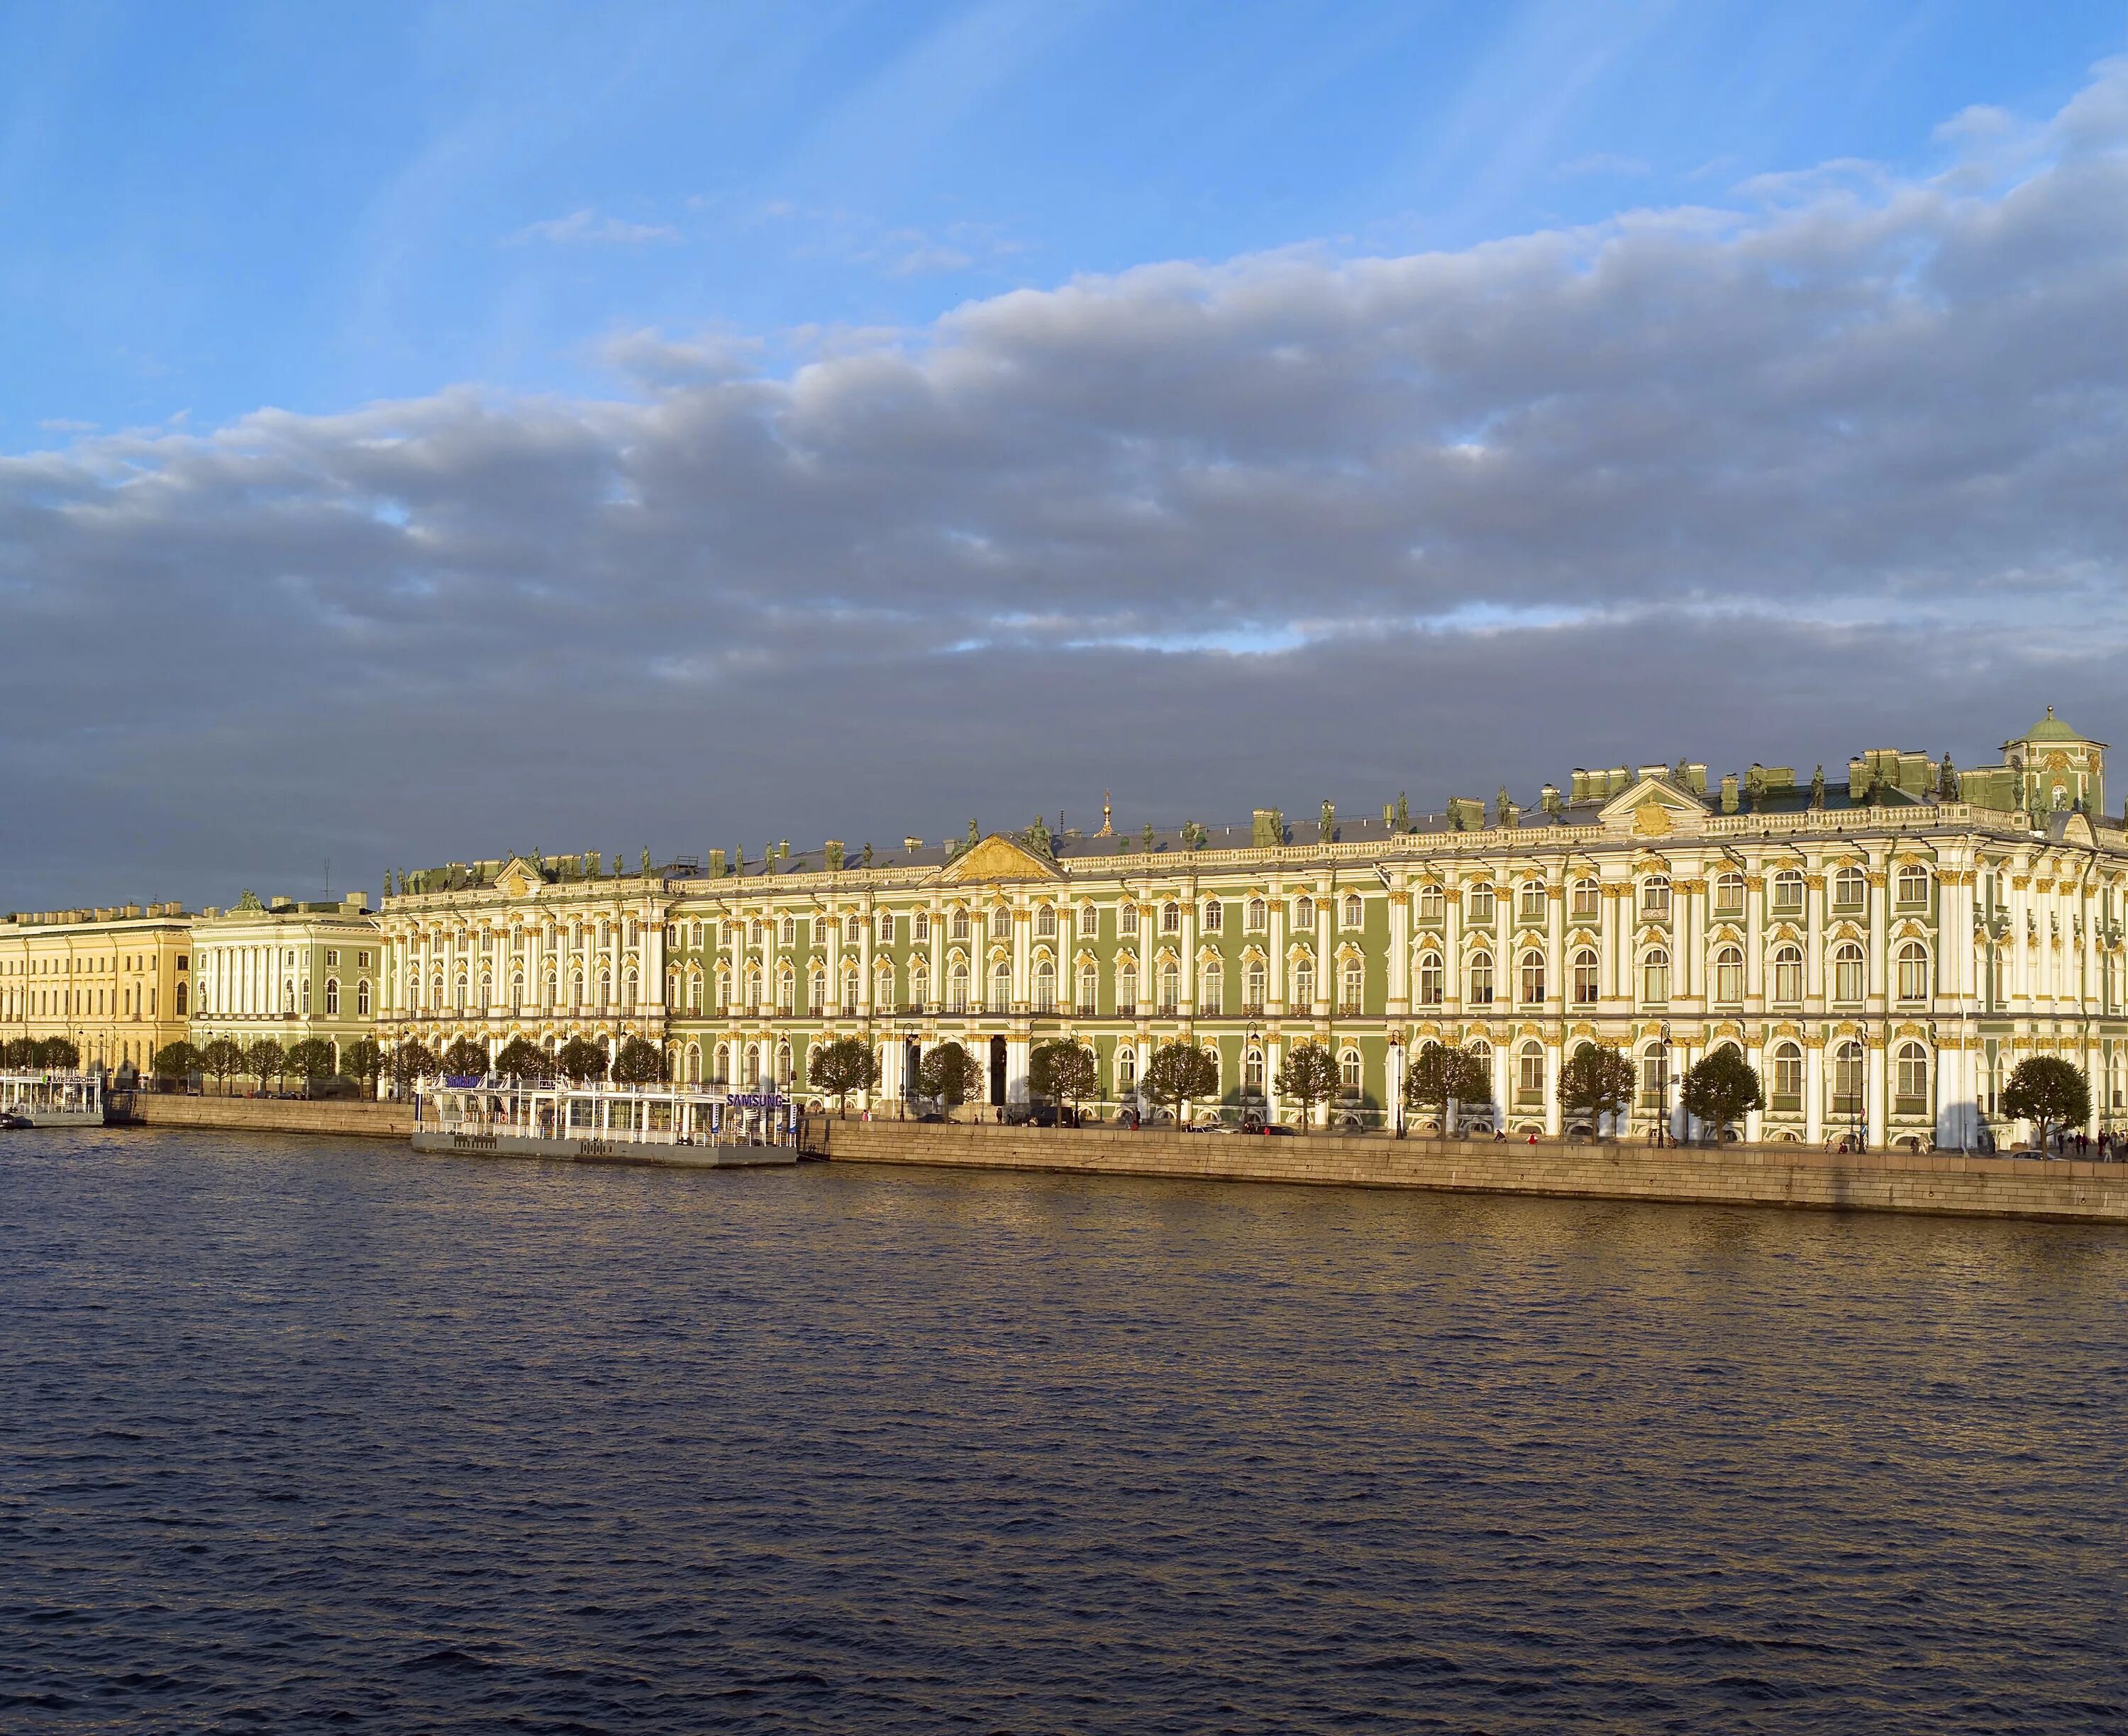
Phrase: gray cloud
x=1835 y=465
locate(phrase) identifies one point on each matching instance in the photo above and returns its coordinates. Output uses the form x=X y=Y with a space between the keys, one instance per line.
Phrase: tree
x=581 y=1061
x=638 y=1061
x=311 y=1059
x=844 y=1065
x=949 y=1074
x=224 y=1059
x=1064 y=1071
x=176 y=1060
x=1722 y=1089
x=2047 y=1091
x=1177 y=1072
x=523 y=1059
x=1597 y=1081
x=265 y=1061
x=363 y=1061
x=1309 y=1075
x=413 y=1060
x=1443 y=1073
x=58 y=1053
x=19 y=1051
x=467 y=1057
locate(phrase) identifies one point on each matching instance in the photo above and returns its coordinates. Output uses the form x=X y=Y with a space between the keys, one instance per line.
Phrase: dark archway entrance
x=997 y=1071
x=912 y=1069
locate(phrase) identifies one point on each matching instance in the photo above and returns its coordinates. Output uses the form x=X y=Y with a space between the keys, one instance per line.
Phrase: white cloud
x=587 y=228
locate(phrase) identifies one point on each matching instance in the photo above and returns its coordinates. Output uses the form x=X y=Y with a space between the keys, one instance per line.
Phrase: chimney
x=1728 y=792
x=1858 y=778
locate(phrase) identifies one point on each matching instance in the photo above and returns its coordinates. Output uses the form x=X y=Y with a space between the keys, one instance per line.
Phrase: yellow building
x=115 y=981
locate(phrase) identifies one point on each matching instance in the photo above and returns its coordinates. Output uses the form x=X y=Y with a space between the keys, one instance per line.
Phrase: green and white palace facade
x=1884 y=946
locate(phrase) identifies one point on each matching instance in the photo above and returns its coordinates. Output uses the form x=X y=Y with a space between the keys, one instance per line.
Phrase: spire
x=1107 y=830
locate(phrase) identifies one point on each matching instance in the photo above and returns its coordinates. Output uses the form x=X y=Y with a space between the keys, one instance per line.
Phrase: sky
x=430 y=432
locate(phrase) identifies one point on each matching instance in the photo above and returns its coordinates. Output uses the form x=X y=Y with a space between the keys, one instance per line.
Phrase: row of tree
x=58 y=1053
x=580 y=1061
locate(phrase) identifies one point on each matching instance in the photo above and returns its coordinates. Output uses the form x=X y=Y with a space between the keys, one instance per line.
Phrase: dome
x=2050 y=728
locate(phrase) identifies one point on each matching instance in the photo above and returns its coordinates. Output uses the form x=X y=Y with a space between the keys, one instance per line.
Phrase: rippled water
x=296 y=1433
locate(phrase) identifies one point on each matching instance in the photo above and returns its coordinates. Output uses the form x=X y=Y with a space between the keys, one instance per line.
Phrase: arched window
x=1348 y=1069
x=783 y=1066
x=694 y=1064
x=1000 y=986
x=1787 y=1078
x=694 y=991
x=1532 y=901
x=1729 y=975
x=1913 y=971
x=1481 y=906
x=1481 y=1052
x=1430 y=980
x=786 y=991
x=1000 y=923
x=1788 y=976
x=789 y=930
x=960 y=924
x=1910 y=1081
x=182 y=988
x=1045 y=921
x=1303 y=983
x=722 y=1063
x=1913 y=884
x=753 y=989
x=1481 y=979
x=1171 y=989
x=1303 y=913
x=1252 y=1072
x=1258 y=916
x=1584 y=978
x=1354 y=911
x=1529 y=1074
x=307 y=998
x=919 y=926
x=361 y=998
x=1090 y=991
x=1654 y=897
x=1655 y=976
x=516 y=988
x=1215 y=915
x=1126 y=1071
x=1171 y=918
x=1432 y=903
x=957 y=988
x=1212 y=990
x=1588 y=897
x=1849 y=888
x=754 y=1064
x=628 y=988
x=1045 y=986
x=817 y=989
x=1348 y=1002
x=1729 y=894
x=459 y=1000
x=882 y=986
x=1127 y=987
x=332 y=997
x=1847 y=1079
x=1127 y=917
x=885 y=928
x=1089 y=920
x=1533 y=983
x=1255 y=987
x=1787 y=891
x=1847 y=974
x=604 y=989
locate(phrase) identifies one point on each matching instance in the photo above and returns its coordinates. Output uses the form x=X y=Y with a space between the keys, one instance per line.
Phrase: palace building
x=115 y=981
x=286 y=969
x=1883 y=945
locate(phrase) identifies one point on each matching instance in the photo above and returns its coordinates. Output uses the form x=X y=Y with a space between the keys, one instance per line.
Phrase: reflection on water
x=297 y=1429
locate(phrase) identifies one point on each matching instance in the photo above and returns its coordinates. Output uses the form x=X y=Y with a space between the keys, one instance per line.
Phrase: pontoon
x=53 y=1099
x=660 y=1124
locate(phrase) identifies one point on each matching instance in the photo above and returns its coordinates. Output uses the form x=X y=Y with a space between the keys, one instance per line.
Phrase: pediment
x=2072 y=829
x=1652 y=807
x=994 y=859
x=518 y=877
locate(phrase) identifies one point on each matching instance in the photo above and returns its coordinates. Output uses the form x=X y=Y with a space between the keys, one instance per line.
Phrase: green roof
x=2050 y=728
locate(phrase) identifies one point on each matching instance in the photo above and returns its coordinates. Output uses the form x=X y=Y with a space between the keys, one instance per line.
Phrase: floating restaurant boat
x=44 y=1098
x=587 y=1124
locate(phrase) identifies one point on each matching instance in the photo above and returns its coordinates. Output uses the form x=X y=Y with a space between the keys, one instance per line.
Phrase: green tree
x=60 y=1053
x=525 y=1060
x=1442 y=1073
x=223 y=1059
x=412 y=1061
x=1063 y=1071
x=176 y=1060
x=19 y=1051
x=265 y=1061
x=581 y=1061
x=838 y=1068
x=1722 y=1089
x=363 y=1061
x=466 y=1057
x=638 y=1061
x=311 y=1059
x=2048 y=1091
x=1178 y=1074
x=948 y=1074
x=1309 y=1075
x=1597 y=1081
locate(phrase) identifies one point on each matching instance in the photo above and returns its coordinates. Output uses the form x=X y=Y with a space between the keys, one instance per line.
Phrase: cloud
x=587 y=228
x=1605 y=163
x=1776 y=481
x=63 y=424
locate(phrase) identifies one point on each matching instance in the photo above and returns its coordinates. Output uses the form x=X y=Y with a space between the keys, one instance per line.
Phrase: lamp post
x=1251 y=1045
x=1663 y=1135
x=1396 y=1082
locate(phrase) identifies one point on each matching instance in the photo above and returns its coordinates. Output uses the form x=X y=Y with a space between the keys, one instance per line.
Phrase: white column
x=869 y=916
x=1397 y=977
x=1814 y=1092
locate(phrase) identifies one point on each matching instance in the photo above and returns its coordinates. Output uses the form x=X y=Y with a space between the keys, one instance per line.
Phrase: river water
x=300 y=1433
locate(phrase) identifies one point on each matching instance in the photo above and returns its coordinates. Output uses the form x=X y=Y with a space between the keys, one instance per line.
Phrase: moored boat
x=47 y=1097
x=685 y=1125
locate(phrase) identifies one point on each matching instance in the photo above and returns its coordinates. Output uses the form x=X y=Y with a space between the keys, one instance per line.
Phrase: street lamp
x=1663 y=1135
x=1396 y=1082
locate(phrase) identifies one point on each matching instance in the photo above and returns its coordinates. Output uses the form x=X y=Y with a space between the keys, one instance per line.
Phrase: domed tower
x=2057 y=768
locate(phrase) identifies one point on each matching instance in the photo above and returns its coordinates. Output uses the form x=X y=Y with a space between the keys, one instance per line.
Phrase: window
x=1481 y=979
x=695 y=932
x=1788 y=892
x=1252 y=1073
x=1849 y=888
x=1303 y=912
x=1348 y=1069
x=849 y=993
x=1045 y=987
x=786 y=991
x=1584 y=978
x=1045 y=922
x=1303 y=983
x=1127 y=917
x=1588 y=898
x=1533 y=983
x=332 y=997
x=1259 y=916
x=1788 y=976
x=1000 y=923
x=1729 y=975
x=1348 y=1002
x=1000 y=986
x=783 y=1064
x=1913 y=972
x=361 y=998
x=1089 y=921
x=1214 y=914
x=1481 y=906
x=1126 y=988
x=332 y=958
x=1430 y=979
x=1090 y=991
x=882 y=986
x=1532 y=901
x=1255 y=986
x=1126 y=1071
x=1353 y=910
x=1910 y=1081
x=919 y=985
x=1171 y=918
x=1913 y=884
x=1654 y=897
x=1171 y=989
x=1787 y=1078
x=960 y=924
x=1432 y=903
x=1655 y=976
x=1529 y=1074
x=1211 y=990
x=1729 y=894
x=957 y=988
x=1847 y=973
x=790 y=931
x=919 y=926
x=1847 y=1080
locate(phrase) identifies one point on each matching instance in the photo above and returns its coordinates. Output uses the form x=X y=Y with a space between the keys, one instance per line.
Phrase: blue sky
x=208 y=209
x=430 y=432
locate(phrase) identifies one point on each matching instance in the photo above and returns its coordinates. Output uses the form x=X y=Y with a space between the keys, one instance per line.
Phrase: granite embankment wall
x=1763 y=1176
x=275 y=1115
